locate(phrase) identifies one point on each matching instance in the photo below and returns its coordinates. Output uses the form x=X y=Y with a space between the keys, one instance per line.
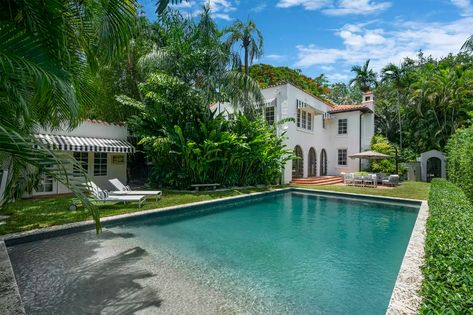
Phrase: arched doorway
x=298 y=163
x=323 y=163
x=434 y=168
x=312 y=162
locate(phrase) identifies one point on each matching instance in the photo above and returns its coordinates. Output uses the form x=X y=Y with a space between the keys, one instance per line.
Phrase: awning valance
x=85 y=144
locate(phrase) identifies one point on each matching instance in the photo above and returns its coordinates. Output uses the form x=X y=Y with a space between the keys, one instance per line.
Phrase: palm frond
x=24 y=157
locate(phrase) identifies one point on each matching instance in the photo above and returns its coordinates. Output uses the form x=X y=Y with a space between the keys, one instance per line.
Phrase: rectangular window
x=83 y=159
x=304 y=120
x=309 y=121
x=342 y=156
x=100 y=164
x=323 y=122
x=269 y=114
x=231 y=116
x=298 y=117
x=342 y=126
x=45 y=183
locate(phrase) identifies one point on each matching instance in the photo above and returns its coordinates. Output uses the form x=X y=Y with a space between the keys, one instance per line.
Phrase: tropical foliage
x=267 y=75
x=46 y=48
x=460 y=160
x=421 y=103
x=250 y=39
x=341 y=93
x=188 y=144
x=190 y=68
x=379 y=143
x=365 y=78
x=448 y=281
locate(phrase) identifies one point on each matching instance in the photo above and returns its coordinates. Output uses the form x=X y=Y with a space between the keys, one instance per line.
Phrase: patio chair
x=123 y=190
x=358 y=180
x=103 y=196
x=370 y=180
x=393 y=180
x=348 y=179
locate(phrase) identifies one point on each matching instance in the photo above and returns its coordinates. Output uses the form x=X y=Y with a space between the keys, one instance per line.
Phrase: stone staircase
x=317 y=181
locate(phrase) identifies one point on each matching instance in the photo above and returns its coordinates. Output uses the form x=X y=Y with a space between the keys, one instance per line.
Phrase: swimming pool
x=285 y=252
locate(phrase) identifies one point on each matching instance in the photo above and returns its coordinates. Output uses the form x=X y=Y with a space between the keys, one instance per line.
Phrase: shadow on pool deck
x=83 y=273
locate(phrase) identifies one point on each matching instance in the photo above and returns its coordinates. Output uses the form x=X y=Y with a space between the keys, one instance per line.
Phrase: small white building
x=323 y=135
x=99 y=146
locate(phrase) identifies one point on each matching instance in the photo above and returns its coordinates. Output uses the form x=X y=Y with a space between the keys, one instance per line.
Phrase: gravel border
x=406 y=298
x=10 y=299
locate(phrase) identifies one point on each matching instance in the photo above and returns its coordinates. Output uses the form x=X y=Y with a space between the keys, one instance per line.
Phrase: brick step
x=314 y=181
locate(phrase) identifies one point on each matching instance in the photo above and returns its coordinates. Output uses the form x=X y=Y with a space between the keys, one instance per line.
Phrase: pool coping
x=405 y=298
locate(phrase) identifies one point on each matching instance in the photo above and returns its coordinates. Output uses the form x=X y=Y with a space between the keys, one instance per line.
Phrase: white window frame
x=83 y=159
x=340 y=127
x=44 y=182
x=345 y=157
x=100 y=164
x=271 y=110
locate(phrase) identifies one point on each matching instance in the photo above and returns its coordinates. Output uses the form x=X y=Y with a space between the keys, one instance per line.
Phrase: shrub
x=381 y=144
x=448 y=269
x=460 y=159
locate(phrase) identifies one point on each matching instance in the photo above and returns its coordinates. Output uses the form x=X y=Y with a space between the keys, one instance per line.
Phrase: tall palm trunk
x=247 y=70
x=400 y=120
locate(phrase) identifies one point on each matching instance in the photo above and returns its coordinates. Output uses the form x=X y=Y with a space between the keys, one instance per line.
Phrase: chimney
x=368 y=100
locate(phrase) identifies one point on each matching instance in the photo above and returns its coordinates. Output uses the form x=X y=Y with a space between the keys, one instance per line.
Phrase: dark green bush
x=460 y=160
x=448 y=269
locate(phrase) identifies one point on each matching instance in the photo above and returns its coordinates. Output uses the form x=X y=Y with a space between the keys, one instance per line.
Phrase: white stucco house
x=99 y=146
x=323 y=135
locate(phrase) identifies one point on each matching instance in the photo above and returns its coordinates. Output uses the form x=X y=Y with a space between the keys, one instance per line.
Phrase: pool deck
x=405 y=298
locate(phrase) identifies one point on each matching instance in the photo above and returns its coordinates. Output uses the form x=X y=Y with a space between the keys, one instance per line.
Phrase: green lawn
x=31 y=214
x=411 y=190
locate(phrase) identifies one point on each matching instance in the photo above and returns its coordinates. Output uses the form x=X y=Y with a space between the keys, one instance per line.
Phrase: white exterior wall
x=319 y=138
x=93 y=130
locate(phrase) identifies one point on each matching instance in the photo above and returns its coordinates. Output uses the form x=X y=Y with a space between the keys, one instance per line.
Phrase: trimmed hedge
x=460 y=160
x=448 y=269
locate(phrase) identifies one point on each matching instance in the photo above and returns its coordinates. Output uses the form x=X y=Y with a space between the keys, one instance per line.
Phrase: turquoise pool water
x=290 y=252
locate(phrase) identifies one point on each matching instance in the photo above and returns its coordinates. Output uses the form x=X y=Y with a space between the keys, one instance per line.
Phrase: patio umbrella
x=370 y=155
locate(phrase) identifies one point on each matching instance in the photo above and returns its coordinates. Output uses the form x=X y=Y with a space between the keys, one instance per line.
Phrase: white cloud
x=275 y=57
x=220 y=9
x=361 y=42
x=340 y=7
x=465 y=6
x=337 y=77
x=259 y=7
x=362 y=7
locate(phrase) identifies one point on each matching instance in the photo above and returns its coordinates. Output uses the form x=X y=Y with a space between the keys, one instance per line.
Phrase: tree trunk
x=247 y=70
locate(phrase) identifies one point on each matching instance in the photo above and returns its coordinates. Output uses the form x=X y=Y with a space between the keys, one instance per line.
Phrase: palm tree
x=468 y=45
x=396 y=76
x=196 y=55
x=45 y=49
x=365 y=77
x=251 y=41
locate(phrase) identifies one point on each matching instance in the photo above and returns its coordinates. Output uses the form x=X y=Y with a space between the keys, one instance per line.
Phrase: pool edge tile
x=406 y=298
x=10 y=299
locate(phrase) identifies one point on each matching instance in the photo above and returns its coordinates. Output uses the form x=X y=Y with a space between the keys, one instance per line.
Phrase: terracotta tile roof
x=349 y=108
x=102 y=122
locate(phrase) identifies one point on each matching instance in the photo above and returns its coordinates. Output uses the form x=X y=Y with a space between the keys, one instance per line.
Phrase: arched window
x=434 y=168
x=323 y=163
x=298 y=163
x=312 y=162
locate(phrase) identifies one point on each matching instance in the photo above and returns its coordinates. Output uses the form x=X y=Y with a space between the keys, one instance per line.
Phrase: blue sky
x=330 y=36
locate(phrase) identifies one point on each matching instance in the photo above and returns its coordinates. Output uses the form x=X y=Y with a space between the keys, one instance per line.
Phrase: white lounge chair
x=103 y=196
x=123 y=190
